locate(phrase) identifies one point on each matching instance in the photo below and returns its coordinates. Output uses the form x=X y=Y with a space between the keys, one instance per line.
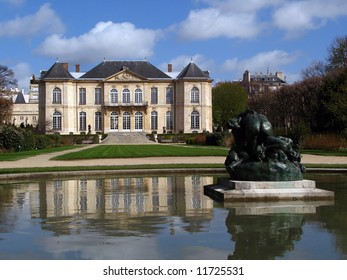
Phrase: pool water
x=164 y=217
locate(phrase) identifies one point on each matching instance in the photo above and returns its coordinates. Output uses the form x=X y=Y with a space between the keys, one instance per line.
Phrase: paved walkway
x=44 y=160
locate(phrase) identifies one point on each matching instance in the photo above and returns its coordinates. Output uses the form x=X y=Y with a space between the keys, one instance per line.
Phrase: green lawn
x=138 y=151
x=24 y=154
x=325 y=153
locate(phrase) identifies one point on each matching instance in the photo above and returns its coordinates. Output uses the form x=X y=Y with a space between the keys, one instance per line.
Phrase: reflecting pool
x=164 y=217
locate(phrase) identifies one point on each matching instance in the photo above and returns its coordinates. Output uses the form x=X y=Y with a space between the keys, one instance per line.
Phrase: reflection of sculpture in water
x=258 y=155
x=263 y=237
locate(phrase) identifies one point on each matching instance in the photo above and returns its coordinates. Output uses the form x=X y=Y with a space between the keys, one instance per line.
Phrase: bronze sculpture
x=258 y=155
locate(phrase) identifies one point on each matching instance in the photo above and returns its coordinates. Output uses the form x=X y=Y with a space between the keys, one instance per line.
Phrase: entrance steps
x=127 y=138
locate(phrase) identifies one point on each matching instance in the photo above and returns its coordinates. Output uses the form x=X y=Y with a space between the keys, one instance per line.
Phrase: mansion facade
x=124 y=96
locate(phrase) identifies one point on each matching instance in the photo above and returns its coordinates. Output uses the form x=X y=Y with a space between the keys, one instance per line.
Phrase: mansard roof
x=57 y=71
x=108 y=68
x=191 y=71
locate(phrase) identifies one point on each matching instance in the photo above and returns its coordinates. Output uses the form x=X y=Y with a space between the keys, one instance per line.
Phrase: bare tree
x=315 y=69
x=6 y=77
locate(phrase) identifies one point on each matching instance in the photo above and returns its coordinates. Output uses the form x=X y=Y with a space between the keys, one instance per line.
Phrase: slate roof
x=57 y=71
x=193 y=71
x=20 y=98
x=108 y=68
x=266 y=78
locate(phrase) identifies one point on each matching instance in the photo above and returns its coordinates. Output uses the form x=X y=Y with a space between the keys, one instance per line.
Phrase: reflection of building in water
x=134 y=196
x=118 y=206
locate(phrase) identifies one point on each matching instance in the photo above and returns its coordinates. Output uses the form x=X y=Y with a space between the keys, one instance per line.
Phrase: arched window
x=113 y=96
x=138 y=96
x=83 y=121
x=98 y=121
x=126 y=121
x=169 y=120
x=195 y=120
x=138 y=121
x=126 y=95
x=154 y=120
x=56 y=95
x=56 y=121
x=114 y=121
x=194 y=95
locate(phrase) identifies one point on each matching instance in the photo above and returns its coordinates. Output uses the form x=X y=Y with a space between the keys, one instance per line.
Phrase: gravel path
x=44 y=160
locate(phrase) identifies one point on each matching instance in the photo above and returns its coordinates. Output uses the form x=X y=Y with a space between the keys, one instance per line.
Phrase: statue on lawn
x=258 y=155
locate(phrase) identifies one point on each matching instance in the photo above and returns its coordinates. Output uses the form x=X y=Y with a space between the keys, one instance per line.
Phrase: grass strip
x=139 y=151
x=138 y=167
x=13 y=156
x=102 y=168
x=325 y=153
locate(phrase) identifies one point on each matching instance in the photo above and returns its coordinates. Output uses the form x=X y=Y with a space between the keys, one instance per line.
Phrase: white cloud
x=44 y=21
x=296 y=17
x=214 y=23
x=23 y=73
x=179 y=62
x=106 y=40
x=14 y=2
x=275 y=59
x=235 y=19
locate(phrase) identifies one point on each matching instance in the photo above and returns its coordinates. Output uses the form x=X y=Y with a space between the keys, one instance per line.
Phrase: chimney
x=169 y=67
x=66 y=66
x=280 y=75
x=77 y=68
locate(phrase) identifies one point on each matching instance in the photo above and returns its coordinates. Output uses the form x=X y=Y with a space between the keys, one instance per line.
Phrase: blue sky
x=225 y=37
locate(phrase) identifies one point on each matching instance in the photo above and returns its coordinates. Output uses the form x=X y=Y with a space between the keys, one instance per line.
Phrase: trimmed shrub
x=11 y=138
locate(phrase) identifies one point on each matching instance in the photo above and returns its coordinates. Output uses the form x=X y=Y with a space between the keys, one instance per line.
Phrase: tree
x=315 y=69
x=332 y=102
x=6 y=77
x=337 y=53
x=228 y=100
x=6 y=106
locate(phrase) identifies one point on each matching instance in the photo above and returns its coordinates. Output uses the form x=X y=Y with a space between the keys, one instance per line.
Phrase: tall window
x=154 y=120
x=56 y=95
x=169 y=95
x=56 y=121
x=98 y=121
x=97 y=96
x=126 y=95
x=126 y=121
x=114 y=121
x=195 y=120
x=138 y=121
x=154 y=95
x=82 y=96
x=113 y=96
x=194 y=95
x=83 y=121
x=138 y=96
x=169 y=120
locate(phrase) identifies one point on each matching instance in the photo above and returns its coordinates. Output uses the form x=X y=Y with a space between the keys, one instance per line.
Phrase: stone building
x=124 y=96
x=25 y=107
x=260 y=83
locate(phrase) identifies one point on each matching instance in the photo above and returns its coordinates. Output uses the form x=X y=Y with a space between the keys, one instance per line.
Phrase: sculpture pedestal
x=248 y=191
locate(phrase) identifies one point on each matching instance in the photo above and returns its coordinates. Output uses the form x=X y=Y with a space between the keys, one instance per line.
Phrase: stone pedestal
x=248 y=191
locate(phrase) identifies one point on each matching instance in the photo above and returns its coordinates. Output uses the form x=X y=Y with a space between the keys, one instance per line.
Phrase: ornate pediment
x=124 y=75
